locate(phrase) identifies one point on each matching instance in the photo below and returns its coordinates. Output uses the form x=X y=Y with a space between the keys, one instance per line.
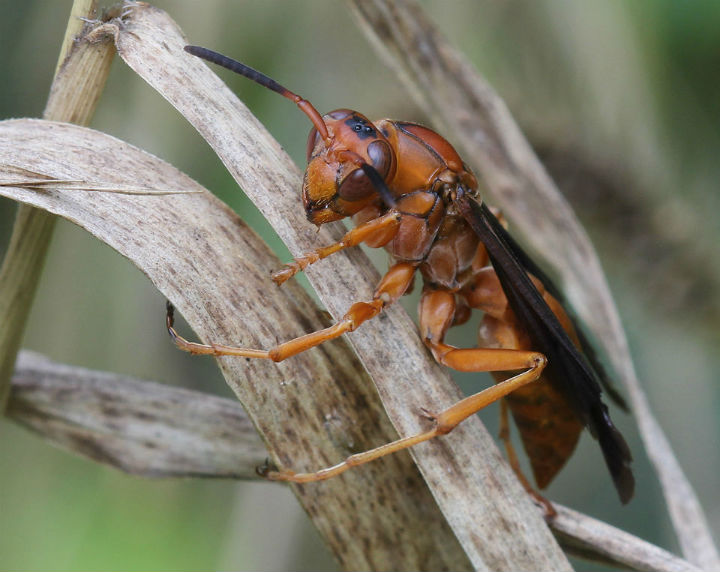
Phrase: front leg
x=383 y=227
x=393 y=285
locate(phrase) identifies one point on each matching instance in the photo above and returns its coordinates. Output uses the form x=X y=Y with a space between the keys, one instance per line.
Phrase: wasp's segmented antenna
x=260 y=78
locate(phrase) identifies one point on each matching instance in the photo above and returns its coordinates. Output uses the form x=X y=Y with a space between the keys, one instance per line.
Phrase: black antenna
x=260 y=78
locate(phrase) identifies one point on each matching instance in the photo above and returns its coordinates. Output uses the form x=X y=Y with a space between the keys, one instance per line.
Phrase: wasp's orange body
x=421 y=170
x=408 y=191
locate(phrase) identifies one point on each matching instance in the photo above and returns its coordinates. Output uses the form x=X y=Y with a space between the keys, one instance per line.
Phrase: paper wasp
x=408 y=190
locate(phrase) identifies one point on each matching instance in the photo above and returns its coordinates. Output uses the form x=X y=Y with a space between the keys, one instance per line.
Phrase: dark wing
x=568 y=369
x=529 y=265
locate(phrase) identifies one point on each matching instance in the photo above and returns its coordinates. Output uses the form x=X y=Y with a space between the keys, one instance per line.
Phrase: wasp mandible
x=408 y=191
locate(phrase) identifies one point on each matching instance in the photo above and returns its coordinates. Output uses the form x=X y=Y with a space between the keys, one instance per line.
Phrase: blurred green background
x=622 y=100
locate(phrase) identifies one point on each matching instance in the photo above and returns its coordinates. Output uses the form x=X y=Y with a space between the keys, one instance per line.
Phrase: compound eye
x=356 y=186
x=381 y=157
x=312 y=141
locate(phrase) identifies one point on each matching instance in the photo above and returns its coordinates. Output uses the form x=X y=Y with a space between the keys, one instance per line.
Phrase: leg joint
x=539 y=361
x=443 y=428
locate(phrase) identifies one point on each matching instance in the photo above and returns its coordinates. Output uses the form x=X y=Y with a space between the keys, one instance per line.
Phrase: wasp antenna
x=379 y=184
x=240 y=68
x=260 y=78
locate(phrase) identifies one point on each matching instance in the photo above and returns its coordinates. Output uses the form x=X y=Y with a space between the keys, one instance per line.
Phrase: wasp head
x=334 y=185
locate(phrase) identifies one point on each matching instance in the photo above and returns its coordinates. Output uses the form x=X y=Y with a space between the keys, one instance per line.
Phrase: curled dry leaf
x=140 y=427
x=200 y=255
x=589 y=538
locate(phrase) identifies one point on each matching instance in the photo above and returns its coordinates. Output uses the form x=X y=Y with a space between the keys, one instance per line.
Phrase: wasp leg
x=393 y=285
x=547 y=426
x=383 y=226
x=437 y=308
x=434 y=311
x=514 y=463
x=443 y=423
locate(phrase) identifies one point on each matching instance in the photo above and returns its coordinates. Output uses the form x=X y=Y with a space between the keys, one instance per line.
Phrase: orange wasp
x=409 y=191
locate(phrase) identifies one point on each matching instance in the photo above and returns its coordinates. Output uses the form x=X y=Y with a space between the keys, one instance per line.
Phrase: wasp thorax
x=336 y=186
